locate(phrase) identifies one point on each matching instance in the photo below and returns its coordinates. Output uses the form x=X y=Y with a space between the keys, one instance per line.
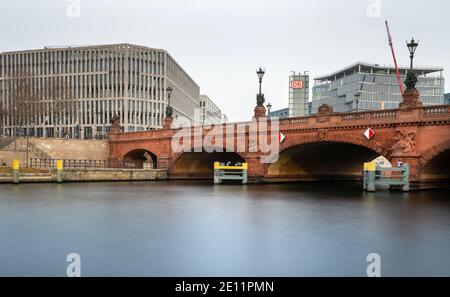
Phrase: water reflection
x=197 y=229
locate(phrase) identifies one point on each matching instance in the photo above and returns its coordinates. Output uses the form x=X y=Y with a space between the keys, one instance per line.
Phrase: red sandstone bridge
x=325 y=146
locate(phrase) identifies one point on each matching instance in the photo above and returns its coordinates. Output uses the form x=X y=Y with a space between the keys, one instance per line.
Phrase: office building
x=365 y=86
x=280 y=113
x=209 y=112
x=447 y=98
x=74 y=92
x=224 y=119
x=298 y=94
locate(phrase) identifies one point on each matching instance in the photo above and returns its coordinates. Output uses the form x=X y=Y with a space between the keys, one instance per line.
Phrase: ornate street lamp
x=269 y=107
x=260 y=97
x=169 y=109
x=411 y=77
x=412 y=46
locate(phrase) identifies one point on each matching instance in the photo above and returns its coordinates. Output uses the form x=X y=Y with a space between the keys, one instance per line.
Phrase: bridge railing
x=344 y=117
x=426 y=111
x=436 y=110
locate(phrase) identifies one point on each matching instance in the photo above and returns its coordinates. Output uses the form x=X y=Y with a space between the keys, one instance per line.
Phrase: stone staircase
x=21 y=145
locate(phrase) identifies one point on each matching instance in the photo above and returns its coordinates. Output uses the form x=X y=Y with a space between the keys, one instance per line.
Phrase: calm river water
x=197 y=229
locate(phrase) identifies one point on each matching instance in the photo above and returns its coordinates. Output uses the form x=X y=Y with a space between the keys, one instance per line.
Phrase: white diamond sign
x=369 y=134
x=281 y=137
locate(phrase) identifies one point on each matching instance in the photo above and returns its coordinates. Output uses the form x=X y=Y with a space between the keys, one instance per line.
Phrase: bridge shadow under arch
x=201 y=164
x=141 y=155
x=435 y=170
x=321 y=161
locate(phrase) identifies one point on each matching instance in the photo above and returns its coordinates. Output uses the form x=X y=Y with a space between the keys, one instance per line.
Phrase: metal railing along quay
x=89 y=164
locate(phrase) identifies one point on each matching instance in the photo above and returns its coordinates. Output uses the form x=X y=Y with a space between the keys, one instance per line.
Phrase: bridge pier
x=256 y=169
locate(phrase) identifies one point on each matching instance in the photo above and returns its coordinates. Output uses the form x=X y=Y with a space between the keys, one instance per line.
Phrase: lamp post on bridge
x=169 y=110
x=412 y=47
x=411 y=94
x=260 y=110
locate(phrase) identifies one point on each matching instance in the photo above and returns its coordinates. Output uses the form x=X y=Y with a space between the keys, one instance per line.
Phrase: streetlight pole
x=412 y=46
x=260 y=97
x=411 y=78
x=169 y=109
x=269 y=107
x=411 y=96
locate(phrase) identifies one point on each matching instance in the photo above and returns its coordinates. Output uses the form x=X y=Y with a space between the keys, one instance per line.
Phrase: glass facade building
x=280 y=113
x=365 y=86
x=298 y=95
x=74 y=92
x=447 y=98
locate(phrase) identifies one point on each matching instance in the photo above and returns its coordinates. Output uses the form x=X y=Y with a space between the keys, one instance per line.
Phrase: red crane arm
x=400 y=82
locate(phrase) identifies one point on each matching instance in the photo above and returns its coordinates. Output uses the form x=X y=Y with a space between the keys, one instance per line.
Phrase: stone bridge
x=325 y=146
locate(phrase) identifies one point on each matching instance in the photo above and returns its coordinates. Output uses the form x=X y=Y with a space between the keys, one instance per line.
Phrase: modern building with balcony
x=74 y=92
x=364 y=86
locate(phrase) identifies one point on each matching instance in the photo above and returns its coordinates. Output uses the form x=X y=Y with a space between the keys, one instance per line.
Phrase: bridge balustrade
x=353 y=116
x=436 y=110
x=390 y=114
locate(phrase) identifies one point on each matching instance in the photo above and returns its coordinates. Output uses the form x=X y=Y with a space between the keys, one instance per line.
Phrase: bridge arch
x=201 y=164
x=333 y=158
x=141 y=155
x=435 y=164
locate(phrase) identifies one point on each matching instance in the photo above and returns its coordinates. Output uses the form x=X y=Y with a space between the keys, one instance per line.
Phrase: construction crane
x=400 y=82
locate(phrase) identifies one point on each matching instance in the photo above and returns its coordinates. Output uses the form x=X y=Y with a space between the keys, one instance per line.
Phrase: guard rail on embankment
x=83 y=172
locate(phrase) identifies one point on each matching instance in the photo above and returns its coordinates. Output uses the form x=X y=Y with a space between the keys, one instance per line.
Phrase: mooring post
x=371 y=185
x=405 y=175
x=364 y=178
x=16 y=171
x=216 y=173
x=244 y=173
x=59 y=171
x=369 y=176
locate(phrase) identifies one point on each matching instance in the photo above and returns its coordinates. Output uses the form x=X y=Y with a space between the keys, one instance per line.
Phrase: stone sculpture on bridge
x=404 y=143
x=115 y=124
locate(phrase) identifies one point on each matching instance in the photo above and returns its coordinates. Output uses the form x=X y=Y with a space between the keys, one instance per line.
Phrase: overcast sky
x=220 y=43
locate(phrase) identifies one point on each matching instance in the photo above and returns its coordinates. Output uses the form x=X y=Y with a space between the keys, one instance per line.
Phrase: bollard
x=369 y=176
x=244 y=173
x=59 y=171
x=405 y=177
x=216 y=173
x=364 y=178
x=16 y=169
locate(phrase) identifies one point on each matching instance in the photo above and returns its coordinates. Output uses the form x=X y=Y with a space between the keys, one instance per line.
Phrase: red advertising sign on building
x=297 y=84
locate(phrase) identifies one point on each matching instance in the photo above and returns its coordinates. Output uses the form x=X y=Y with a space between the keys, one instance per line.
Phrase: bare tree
x=19 y=107
x=3 y=114
x=36 y=100
x=61 y=103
